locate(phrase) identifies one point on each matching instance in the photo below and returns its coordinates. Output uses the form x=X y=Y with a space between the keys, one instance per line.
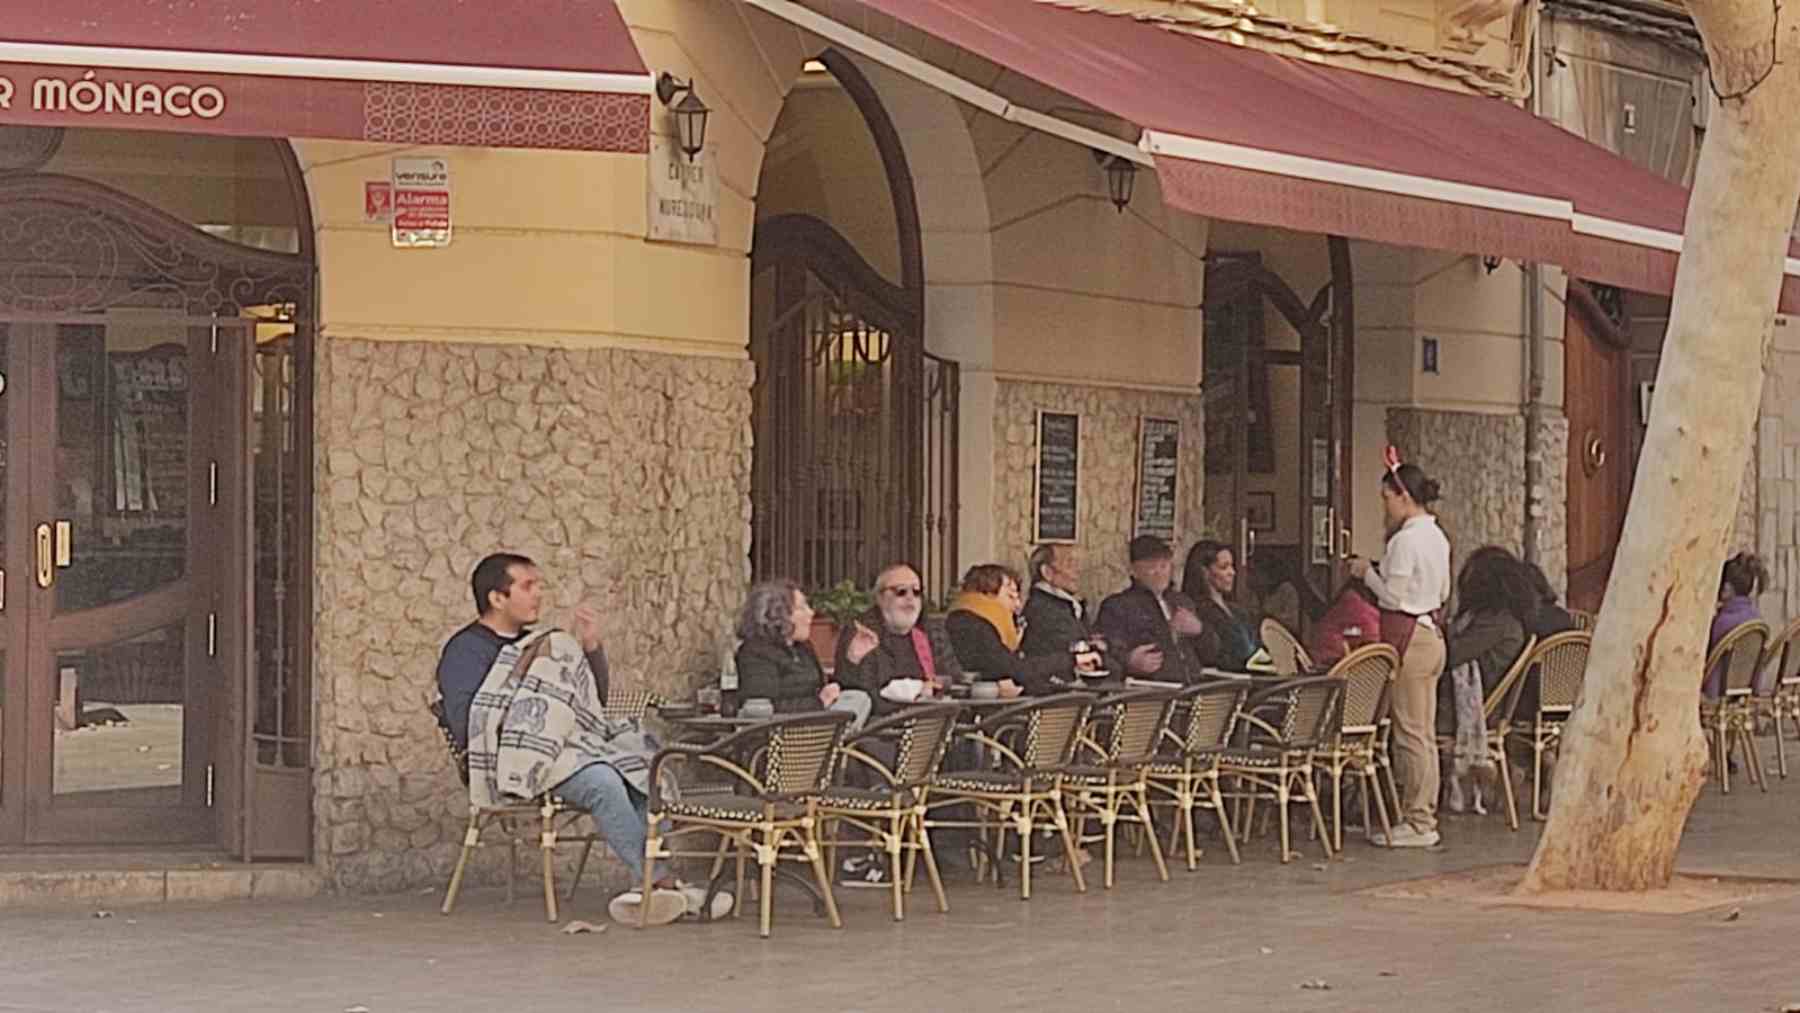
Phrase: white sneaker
x=665 y=906
x=695 y=898
x=1404 y=836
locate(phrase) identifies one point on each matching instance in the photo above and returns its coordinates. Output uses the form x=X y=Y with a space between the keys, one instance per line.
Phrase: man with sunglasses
x=890 y=655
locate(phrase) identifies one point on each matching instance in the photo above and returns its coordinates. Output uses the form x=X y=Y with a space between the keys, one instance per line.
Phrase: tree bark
x=1633 y=757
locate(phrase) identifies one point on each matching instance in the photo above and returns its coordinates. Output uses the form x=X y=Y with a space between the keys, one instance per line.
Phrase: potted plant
x=833 y=609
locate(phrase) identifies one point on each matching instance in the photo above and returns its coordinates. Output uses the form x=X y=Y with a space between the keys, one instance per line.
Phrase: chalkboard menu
x=1159 y=446
x=1058 y=469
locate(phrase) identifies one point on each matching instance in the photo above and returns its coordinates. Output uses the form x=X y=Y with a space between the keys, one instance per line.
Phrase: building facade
x=829 y=337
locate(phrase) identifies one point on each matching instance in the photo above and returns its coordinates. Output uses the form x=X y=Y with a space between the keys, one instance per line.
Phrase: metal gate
x=855 y=427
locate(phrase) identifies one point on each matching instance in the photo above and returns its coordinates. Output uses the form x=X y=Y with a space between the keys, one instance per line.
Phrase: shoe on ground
x=697 y=910
x=666 y=905
x=870 y=873
x=1405 y=836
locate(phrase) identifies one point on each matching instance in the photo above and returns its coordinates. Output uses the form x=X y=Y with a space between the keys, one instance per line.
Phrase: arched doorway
x=855 y=424
x=155 y=305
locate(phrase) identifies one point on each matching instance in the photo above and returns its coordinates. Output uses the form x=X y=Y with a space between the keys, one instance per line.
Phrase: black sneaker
x=868 y=873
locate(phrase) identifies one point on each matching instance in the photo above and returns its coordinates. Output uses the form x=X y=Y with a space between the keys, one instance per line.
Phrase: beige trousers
x=1415 y=728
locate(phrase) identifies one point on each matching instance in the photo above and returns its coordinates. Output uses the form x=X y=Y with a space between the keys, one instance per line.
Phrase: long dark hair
x=1493 y=580
x=1745 y=574
x=1200 y=558
x=1412 y=480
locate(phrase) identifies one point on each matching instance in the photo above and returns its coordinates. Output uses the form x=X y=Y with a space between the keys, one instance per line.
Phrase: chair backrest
x=1740 y=654
x=1584 y=621
x=1309 y=710
x=627 y=704
x=459 y=758
x=1367 y=673
x=1212 y=712
x=1560 y=663
x=1285 y=649
x=1784 y=654
x=1138 y=719
x=1497 y=710
x=1045 y=730
x=801 y=750
x=924 y=738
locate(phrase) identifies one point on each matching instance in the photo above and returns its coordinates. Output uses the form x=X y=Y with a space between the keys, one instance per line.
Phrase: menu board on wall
x=1057 y=496
x=1159 y=447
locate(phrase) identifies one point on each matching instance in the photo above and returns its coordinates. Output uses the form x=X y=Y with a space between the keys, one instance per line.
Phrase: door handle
x=46 y=565
x=65 y=544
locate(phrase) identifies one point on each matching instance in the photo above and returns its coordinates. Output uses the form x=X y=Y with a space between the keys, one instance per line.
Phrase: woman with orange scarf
x=985 y=633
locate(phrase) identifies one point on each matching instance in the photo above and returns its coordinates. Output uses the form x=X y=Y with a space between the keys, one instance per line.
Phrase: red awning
x=1249 y=136
x=411 y=71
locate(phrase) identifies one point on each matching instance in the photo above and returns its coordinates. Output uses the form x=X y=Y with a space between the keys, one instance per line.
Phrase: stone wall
x=1479 y=461
x=625 y=474
x=1551 y=499
x=1108 y=470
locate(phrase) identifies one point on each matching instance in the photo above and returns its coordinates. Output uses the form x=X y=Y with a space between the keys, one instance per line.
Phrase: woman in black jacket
x=775 y=660
x=985 y=634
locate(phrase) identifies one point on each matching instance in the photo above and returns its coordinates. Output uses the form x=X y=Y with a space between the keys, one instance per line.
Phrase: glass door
x=15 y=568
x=119 y=659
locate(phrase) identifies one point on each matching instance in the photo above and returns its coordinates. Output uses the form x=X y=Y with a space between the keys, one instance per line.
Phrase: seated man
x=1056 y=619
x=882 y=654
x=598 y=765
x=985 y=635
x=1149 y=629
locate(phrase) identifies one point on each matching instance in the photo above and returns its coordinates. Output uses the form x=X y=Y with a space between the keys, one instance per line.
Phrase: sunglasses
x=903 y=592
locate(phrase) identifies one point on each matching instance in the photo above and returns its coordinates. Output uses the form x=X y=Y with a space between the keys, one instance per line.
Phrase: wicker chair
x=780 y=769
x=1782 y=701
x=891 y=816
x=1273 y=760
x=1031 y=744
x=1285 y=650
x=1499 y=711
x=1111 y=781
x=1208 y=716
x=1356 y=746
x=1559 y=664
x=540 y=821
x=1730 y=720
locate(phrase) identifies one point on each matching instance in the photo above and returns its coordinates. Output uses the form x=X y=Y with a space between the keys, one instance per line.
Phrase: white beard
x=901 y=618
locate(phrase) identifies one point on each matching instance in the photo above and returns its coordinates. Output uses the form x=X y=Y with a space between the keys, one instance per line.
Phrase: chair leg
x=896 y=838
x=1337 y=807
x=1537 y=777
x=1024 y=825
x=765 y=859
x=1312 y=799
x=1282 y=800
x=1069 y=850
x=1218 y=801
x=737 y=899
x=1142 y=798
x=1184 y=811
x=587 y=848
x=547 y=845
x=1506 y=786
x=652 y=847
x=922 y=845
x=1780 y=748
x=471 y=840
x=824 y=878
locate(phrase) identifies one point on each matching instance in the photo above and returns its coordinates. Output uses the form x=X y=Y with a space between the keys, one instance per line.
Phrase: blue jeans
x=618 y=811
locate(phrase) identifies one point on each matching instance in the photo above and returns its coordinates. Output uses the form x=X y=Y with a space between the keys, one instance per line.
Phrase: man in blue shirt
x=509 y=595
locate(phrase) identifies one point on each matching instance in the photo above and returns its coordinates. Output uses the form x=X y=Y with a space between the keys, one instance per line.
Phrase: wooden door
x=1598 y=401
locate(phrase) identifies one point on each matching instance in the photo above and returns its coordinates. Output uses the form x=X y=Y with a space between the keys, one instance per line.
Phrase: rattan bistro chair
x=1031 y=745
x=1356 y=747
x=1273 y=760
x=1782 y=704
x=1285 y=650
x=891 y=816
x=1187 y=777
x=1559 y=664
x=1729 y=720
x=780 y=769
x=538 y=820
x=1110 y=780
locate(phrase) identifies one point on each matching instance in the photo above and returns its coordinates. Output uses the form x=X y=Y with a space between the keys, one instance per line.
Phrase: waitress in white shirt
x=1411 y=585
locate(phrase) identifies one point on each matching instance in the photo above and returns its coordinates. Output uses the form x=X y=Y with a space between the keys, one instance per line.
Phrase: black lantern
x=1121 y=178
x=690 y=113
